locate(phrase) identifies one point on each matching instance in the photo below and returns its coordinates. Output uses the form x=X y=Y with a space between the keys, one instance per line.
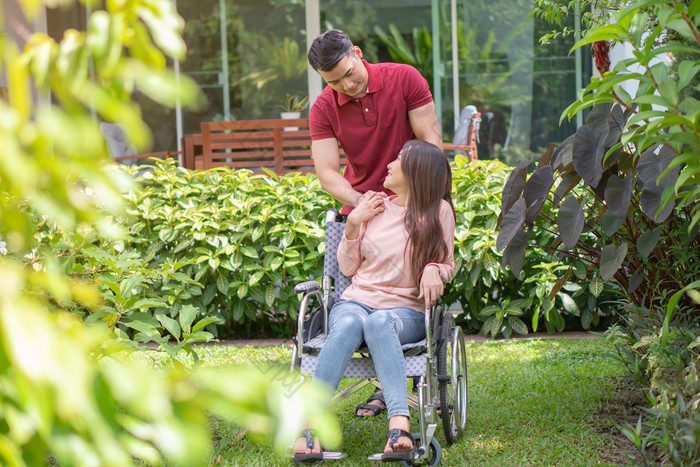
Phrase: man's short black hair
x=328 y=49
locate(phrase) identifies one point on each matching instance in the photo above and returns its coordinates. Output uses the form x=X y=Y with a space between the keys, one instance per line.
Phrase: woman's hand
x=431 y=286
x=370 y=204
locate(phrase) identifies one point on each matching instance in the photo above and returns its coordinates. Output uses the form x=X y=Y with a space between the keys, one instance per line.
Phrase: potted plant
x=291 y=108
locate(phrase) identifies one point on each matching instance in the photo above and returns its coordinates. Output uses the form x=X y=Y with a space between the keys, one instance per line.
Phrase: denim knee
x=347 y=321
x=377 y=325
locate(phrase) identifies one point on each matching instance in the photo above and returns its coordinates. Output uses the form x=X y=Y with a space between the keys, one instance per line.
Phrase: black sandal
x=313 y=458
x=378 y=395
x=398 y=456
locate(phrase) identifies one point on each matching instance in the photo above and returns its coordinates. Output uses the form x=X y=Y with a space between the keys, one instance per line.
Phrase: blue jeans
x=384 y=331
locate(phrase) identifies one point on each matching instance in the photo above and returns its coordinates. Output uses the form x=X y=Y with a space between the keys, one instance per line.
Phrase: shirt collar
x=374 y=83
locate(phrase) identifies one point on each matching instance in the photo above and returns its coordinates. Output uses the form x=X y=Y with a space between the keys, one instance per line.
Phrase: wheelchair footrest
x=378 y=458
x=333 y=456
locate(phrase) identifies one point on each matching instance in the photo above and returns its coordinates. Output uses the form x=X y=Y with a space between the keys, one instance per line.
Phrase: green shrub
x=245 y=239
x=217 y=253
x=482 y=286
x=637 y=158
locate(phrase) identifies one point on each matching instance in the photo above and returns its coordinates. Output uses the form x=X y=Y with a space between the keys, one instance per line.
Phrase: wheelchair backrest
x=334 y=234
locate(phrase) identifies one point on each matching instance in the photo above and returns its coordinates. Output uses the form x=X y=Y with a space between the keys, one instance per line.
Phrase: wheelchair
x=439 y=360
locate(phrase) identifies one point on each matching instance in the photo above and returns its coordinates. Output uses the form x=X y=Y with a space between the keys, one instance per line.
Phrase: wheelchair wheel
x=452 y=366
x=435 y=452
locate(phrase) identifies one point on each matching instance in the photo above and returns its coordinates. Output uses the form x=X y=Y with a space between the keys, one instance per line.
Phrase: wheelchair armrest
x=307 y=287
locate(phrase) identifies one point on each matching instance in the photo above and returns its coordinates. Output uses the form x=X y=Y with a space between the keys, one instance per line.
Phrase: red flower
x=601 y=56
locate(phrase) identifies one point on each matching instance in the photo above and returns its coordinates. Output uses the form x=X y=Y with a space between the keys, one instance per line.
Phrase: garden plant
x=221 y=251
x=69 y=393
x=625 y=192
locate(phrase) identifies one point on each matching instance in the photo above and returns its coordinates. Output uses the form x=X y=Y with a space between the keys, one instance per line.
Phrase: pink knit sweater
x=379 y=263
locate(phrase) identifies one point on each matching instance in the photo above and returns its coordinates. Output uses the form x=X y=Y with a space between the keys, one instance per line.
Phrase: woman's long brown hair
x=430 y=181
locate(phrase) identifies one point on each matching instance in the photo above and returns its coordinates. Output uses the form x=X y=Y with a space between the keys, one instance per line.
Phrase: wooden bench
x=279 y=145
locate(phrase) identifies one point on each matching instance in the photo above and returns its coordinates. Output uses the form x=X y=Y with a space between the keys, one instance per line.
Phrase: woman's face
x=395 y=179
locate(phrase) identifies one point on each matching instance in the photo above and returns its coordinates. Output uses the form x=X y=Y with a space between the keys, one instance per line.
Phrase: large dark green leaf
x=570 y=219
x=635 y=280
x=598 y=117
x=563 y=155
x=588 y=152
x=599 y=189
x=514 y=186
x=546 y=158
x=536 y=190
x=567 y=183
x=611 y=223
x=647 y=241
x=514 y=254
x=611 y=259
x=616 y=122
x=511 y=224
x=651 y=200
x=618 y=194
x=652 y=163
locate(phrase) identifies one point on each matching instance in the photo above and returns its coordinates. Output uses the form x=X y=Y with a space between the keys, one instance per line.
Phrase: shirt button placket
x=368 y=113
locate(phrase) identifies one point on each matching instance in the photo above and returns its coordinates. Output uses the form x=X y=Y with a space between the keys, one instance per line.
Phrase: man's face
x=349 y=76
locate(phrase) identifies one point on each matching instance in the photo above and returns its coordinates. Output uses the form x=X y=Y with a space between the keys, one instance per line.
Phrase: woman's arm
x=349 y=250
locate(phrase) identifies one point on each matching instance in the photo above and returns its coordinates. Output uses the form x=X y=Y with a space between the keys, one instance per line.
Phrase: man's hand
x=369 y=205
x=431 y=286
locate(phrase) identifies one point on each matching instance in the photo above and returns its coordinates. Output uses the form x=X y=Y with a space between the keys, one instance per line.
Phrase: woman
x=399 y=251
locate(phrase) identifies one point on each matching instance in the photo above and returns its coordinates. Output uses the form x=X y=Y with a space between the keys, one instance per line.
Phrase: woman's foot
x=307 y=450
x=373 y=406
x=400 y=439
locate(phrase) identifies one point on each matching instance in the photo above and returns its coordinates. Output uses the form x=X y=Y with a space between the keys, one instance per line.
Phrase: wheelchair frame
x=442 y=384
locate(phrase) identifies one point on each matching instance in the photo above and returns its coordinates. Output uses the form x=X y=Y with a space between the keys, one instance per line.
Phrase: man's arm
x=327 y=164
x=425 y=124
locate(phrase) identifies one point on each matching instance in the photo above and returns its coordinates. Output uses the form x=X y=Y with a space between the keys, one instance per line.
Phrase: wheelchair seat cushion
x=317 y=344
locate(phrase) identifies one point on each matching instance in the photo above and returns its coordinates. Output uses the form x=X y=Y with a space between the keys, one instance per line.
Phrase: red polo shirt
x=371 y=129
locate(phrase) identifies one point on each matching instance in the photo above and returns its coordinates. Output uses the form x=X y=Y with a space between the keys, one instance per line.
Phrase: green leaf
x=569 y=304
x=249 y=252
x=222 y=283
x=186 y=317
x=586 y=319
x=611 y=258
x=490 y=262
x=170 y=325
x=596 y=287
x=489 y=310
x=141 y=326
x=517 y=325
x=127 y=286
x=554 y=317
x=255 y=278
x=205 y=322
x=242 y=291
x=687 y=70
x=148 y=303
x=270 y=295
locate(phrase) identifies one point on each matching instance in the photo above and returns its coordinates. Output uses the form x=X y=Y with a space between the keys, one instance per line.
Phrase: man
x=371 y=110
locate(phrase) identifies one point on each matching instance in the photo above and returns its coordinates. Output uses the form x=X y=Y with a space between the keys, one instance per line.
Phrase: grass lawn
x=531 y=402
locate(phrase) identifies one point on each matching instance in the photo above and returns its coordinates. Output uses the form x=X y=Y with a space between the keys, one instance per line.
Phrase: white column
x=313 y=29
